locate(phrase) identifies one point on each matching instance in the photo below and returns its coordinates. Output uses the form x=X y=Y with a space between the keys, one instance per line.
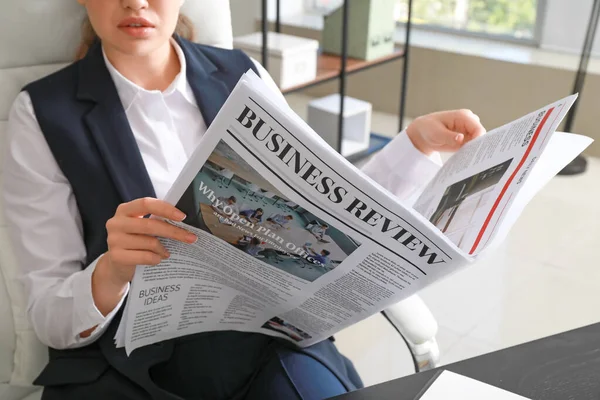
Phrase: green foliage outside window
x=516 y=18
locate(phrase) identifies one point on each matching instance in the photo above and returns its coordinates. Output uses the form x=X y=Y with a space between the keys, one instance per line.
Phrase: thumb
x=450 y=138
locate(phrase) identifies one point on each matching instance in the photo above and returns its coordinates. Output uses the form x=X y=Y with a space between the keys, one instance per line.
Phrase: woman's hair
x=184 y=28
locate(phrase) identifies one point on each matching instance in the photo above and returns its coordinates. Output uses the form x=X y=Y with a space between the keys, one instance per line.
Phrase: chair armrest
x=413 y=319
x=426 y=355
x=415 y=322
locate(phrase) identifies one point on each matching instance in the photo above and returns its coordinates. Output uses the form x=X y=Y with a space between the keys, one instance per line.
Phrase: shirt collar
x=129 y=91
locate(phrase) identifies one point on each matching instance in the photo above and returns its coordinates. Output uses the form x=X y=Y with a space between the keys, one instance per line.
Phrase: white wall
x=566 y=25
x=245 y=13
x=243 y=16
x=288 y=8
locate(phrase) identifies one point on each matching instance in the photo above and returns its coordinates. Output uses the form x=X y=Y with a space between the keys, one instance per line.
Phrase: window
x=511 y=19
x=504 y=19
x=323 y=6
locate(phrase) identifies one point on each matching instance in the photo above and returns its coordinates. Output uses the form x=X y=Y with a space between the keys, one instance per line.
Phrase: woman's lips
x=136 y=27
x=137 y=32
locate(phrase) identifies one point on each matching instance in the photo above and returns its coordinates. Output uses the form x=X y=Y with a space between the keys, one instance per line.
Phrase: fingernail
x=459 y=137
x=179 y=216
x=167 y=254
x=191 y=238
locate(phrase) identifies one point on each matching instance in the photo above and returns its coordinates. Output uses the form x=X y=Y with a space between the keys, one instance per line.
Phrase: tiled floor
x=543 y=280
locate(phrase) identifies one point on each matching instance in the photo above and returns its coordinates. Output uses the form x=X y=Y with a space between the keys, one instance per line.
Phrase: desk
x=560 y=367
x=226 y=232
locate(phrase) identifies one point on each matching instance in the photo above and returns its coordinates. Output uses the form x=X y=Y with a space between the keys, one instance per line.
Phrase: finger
x=137 y=242
x=448 y=138
x=148 y=205
x=469 y=124
x=135 y=257
x=151 y=227
x=474 y=129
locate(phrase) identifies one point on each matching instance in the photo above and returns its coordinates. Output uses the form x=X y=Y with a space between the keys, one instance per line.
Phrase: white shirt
x=45 y=224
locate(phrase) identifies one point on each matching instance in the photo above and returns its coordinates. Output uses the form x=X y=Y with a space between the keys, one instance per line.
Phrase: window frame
x=535 y=41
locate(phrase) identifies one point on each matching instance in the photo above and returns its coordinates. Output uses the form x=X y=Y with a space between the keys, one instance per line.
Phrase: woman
x=91 y=150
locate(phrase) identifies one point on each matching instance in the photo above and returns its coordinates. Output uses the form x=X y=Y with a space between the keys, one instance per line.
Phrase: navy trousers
x=228 y=366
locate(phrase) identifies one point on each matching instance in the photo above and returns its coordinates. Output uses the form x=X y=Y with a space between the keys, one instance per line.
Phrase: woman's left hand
x=444 y=131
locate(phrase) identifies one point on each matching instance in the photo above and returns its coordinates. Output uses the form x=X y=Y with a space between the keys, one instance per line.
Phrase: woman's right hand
x=132 y=241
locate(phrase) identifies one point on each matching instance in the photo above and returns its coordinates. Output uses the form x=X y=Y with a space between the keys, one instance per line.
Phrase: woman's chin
x=137 y=47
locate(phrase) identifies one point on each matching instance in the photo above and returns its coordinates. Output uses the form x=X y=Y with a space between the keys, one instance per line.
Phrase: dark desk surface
x=561 y=367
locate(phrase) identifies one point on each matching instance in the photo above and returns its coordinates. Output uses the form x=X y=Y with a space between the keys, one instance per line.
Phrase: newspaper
x=296 y=243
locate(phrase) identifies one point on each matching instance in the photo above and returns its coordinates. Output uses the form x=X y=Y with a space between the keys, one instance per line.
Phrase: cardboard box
x=323 y=117
x=292 y=59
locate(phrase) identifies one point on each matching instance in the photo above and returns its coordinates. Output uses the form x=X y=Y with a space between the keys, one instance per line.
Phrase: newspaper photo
x=296 y=243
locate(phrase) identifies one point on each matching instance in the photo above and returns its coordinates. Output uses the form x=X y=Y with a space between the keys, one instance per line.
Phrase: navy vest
x=83 y=121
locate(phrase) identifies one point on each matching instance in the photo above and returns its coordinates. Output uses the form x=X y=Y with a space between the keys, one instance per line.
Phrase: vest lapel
x=110 y=129
x=205 y=80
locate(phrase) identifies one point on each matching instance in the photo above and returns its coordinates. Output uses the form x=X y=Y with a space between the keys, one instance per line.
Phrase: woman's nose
x=135 y=4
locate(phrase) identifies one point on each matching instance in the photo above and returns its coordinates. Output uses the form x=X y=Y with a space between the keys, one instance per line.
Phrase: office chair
x=32 y=45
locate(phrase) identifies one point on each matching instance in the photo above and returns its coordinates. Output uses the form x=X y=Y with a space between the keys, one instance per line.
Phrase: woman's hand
x=133 y=240
x=444 y=131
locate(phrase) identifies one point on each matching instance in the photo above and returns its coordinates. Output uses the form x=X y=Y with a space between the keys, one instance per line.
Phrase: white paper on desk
x=451 y=386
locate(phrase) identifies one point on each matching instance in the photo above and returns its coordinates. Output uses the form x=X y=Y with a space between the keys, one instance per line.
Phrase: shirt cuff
x=86 y=315
x=402 y=157
x=402 y=169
